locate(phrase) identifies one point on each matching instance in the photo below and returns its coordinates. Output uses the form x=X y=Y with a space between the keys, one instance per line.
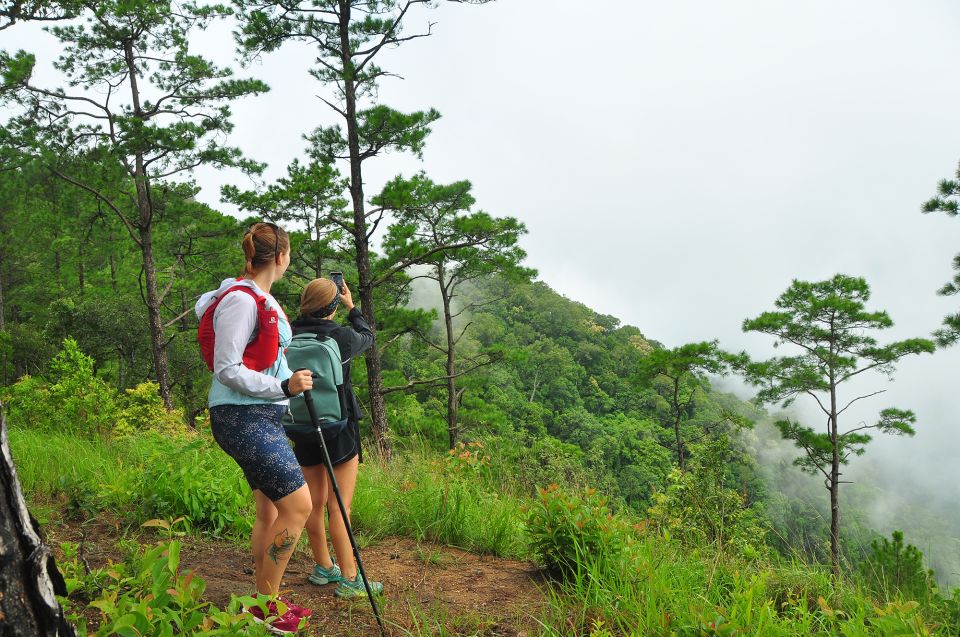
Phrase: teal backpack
x=322 y=357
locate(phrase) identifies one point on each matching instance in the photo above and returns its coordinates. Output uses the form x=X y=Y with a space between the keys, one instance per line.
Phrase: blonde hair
x=262 y=244
x=318 y=295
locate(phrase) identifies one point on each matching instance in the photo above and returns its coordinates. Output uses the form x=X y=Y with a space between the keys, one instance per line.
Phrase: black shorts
x=342 y=444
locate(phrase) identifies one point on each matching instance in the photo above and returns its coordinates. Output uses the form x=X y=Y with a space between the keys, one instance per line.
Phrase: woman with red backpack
x=243 y=333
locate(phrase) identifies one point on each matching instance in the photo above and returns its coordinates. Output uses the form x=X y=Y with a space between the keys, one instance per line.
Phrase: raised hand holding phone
x=346 y=298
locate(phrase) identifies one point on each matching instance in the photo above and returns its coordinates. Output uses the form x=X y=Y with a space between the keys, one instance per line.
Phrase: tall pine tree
x=828 y=324
x=349 y=37
x=134 y=96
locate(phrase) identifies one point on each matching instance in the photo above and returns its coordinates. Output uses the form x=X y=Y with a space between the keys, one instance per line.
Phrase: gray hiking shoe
x=355 y=588
x=321 y=575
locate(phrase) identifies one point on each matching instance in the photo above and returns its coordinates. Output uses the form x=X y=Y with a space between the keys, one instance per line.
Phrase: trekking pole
x=308 y=399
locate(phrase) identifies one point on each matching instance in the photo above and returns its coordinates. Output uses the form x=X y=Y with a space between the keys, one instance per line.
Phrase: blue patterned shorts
x=253 y=436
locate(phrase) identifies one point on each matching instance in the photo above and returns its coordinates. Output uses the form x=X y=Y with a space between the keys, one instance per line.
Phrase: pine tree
x=349 y=36
x=947 y=201
x=135 y=97
x=435 y=227
x=679 y=375
x=829 y=324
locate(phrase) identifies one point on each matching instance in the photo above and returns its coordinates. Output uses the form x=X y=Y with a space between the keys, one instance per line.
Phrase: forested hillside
x=559 y=385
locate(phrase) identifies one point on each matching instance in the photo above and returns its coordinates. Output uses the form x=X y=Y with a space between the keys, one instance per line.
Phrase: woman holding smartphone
x=318 y=306
x=247 y=400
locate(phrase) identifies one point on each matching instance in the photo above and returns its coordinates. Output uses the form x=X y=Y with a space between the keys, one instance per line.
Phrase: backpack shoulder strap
x=246 y=289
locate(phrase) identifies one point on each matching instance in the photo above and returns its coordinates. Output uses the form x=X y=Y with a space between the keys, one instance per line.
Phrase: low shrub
x=147 y=595
x=142 y=409
x=568 y=529
x=74 y=400
x=196 y=481
x=699 y=510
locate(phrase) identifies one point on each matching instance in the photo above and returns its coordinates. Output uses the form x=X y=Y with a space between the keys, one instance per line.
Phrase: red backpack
x=262 y=352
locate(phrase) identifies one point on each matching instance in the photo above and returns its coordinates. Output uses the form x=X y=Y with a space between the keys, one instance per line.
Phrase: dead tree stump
x=29 y=578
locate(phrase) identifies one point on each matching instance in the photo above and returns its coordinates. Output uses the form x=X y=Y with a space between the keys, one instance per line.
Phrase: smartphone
x=337 y=277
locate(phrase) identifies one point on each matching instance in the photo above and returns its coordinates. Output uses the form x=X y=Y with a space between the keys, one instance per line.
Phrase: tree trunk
x=157 y=347
x=378 y=412
x=145 y=227
x=452 y=425
x=29 y=578
x=834 y=485
x=81 y=274
x=3 y=324
x=678 y=417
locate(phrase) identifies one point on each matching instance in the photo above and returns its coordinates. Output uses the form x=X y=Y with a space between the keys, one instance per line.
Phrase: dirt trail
x=426 y=586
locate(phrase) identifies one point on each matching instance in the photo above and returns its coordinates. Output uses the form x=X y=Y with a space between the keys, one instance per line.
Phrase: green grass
x=418 y=498
x=141 y=478
x=134 y=478
x=657 y=586
x=81 y=473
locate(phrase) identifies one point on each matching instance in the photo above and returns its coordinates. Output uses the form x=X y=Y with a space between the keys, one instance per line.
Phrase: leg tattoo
x=281 y=546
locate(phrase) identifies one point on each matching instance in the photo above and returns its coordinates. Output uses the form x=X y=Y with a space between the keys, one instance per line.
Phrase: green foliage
x=947 y=200
x=143 y=410
x=894 y=570
x=112 y=328
x=568 y=530
x=699 y=509
x=529 y=463
x=147 y=595
x=198 y=482
x=308 y=196
x=75 y=400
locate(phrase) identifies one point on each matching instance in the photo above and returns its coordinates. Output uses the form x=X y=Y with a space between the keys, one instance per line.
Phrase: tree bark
x=834 y=485
x=81 y=273
x=3 y=324
x=29 y=578
x=678 y=416
x=453 y=428
x=378 y=412
x=145 y=228
x=157 y=347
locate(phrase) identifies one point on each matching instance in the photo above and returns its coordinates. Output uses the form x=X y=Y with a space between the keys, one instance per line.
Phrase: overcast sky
x=678 y=163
